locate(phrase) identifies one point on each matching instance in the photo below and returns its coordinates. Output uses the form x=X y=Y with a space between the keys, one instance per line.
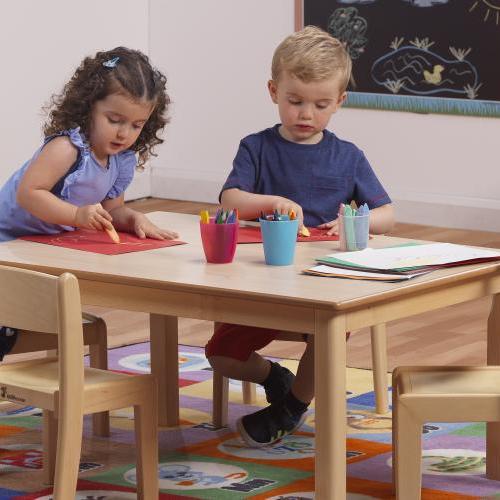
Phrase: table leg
x=493 y=428
x=330 y=391
x=379 y=356
x=164 y=337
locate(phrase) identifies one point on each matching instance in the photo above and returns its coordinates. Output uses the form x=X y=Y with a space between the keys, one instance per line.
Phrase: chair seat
x=436 y=394
x=451 y=381
x=42 y=376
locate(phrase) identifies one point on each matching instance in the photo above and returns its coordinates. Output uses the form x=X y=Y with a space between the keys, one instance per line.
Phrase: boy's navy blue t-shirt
x=316 y=176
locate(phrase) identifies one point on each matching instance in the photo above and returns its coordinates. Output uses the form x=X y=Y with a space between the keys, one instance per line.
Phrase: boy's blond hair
x=312 y=54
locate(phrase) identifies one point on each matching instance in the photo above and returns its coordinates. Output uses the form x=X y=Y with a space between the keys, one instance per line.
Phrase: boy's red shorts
x=238 y=341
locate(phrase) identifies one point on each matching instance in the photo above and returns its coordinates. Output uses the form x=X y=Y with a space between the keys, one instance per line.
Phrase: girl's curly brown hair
x=132 y=74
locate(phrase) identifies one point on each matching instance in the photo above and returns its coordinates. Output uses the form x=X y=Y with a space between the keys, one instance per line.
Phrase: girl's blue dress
x=85 y=183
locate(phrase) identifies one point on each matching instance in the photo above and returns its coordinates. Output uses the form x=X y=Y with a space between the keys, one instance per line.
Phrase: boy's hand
x=93 y=217
x=144 y=228
x=332 y=226
x=284 y=206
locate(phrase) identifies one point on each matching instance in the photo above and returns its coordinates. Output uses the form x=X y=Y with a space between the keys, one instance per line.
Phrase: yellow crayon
x=304 y=231
x=204 y=217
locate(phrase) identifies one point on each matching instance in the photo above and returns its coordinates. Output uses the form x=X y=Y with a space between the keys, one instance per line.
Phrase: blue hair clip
x=111 y=63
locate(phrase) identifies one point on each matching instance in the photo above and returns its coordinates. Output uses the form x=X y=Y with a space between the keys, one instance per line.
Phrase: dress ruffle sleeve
x=126 y=168
x=77 y=169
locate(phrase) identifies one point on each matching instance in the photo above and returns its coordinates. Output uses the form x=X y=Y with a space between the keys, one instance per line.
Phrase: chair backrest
x=39 y=302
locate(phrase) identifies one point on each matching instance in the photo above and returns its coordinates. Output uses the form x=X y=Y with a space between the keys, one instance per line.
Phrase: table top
x=183 y=268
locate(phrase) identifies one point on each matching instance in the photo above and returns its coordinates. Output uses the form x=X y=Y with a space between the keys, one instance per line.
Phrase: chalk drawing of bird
x=434 y=78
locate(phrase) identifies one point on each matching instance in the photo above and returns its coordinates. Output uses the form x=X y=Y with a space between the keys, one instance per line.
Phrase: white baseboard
x=454 y=212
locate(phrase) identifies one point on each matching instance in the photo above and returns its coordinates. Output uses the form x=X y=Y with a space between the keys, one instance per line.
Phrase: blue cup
x=279 y=238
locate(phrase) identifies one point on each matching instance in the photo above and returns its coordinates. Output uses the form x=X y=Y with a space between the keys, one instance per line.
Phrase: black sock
x=8 y=337
x=294 y=405
x=274 y=374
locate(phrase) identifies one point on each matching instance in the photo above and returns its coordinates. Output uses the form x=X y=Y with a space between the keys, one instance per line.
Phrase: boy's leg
x=303 y=385
x=283 y=417
x=231 y=352
x=254 y=369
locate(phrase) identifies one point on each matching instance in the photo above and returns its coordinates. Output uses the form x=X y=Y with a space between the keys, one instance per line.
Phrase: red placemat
x=99 y=242
x=251 y=234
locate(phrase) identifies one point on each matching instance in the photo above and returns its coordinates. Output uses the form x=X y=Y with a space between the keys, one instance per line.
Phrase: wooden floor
x=455 y=335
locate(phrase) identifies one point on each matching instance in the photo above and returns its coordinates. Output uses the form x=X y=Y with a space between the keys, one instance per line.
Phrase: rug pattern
x=200 y=461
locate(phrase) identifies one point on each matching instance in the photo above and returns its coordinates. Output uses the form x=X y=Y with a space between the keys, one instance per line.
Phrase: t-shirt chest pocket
x=329 y=182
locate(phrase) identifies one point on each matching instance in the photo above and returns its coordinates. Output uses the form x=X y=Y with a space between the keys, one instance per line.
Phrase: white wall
x=42 y=44
x=439 y=169
x=217 y=58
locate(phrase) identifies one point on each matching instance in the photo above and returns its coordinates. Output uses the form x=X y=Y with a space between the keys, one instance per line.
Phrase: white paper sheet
x=414 y=255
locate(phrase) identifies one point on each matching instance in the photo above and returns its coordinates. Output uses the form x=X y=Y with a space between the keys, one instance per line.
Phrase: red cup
x=219 y=241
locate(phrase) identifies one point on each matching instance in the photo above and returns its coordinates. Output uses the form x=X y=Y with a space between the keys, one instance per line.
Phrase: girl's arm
x=129 y=220
x=382 y=219
x=33 y=193
x=250 y=205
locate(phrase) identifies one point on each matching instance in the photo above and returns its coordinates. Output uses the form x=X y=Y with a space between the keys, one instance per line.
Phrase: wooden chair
x=436 y=394
x=379 y=362
x=95 y=336
x=63 y=387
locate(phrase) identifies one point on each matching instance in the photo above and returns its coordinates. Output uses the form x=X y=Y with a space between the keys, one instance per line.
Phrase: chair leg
x=395 y=395
x=408 y=454
x=379 y=361
x=49 y=439
x=249 y=392
x=69 y=447
x=146 y=432
x=220 y=399
x=98 y=356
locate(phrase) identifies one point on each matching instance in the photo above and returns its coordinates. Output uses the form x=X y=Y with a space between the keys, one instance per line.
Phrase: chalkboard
x=440 y=56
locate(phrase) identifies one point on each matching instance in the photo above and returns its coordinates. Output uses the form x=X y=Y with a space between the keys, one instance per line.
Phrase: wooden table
x=176 y=282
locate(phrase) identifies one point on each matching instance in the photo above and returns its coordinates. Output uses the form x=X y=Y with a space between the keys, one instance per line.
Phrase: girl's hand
x=332 y=226
x=284 y=206
x=93 y=217
x=143 y=228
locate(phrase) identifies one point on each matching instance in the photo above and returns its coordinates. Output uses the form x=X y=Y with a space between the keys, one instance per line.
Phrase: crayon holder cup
x=219 y=241
x=353 y=232
x=279 y=239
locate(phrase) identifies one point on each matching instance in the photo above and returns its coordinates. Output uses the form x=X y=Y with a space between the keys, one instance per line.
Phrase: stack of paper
x=401 y=262
x=335 y=272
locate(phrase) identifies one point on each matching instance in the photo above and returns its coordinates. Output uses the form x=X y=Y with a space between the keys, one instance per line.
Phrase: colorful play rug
x=199 y=461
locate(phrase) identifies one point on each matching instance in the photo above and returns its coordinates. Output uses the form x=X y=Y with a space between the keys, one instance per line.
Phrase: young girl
x=110 y=111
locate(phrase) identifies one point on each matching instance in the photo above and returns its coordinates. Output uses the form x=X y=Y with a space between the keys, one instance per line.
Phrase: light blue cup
x=279 y=239
x=353 y=232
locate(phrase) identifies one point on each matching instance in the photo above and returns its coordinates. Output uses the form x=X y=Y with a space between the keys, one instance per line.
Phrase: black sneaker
x=266 y=426
x=278 y=383
x=8 y=337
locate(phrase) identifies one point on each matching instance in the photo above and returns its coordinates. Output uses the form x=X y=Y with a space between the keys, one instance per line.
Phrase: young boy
x=296 y=165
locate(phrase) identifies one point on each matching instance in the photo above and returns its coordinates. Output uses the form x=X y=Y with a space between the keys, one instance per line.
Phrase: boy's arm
x=250 y=205
x=382 y=219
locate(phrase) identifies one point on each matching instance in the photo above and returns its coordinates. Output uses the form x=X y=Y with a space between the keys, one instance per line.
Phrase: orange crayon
x=113 y=234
